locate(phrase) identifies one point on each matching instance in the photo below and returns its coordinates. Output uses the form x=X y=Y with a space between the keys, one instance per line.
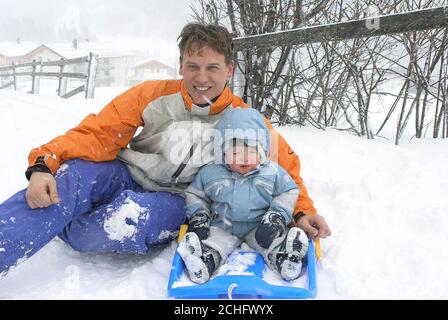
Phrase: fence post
x=62 y=86
x=14 y=77
x=35 y=85
x=91 y=76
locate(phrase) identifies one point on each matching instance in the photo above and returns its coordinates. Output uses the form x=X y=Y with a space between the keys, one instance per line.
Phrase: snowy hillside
x=386 y=206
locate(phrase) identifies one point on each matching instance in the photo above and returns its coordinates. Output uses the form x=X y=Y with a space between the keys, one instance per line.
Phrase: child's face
x=242 y=159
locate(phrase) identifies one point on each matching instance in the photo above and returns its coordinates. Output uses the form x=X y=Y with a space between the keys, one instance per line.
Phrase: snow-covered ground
x=386 y=206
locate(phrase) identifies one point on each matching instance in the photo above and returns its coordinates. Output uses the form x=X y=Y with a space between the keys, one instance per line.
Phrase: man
x=99 y=195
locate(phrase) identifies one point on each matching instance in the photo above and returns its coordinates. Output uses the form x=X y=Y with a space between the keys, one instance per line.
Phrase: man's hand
x=42 y=191
x=315 y=226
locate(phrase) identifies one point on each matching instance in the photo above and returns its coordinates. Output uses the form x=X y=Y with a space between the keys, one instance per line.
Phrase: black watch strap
x=39 y=166
x=298 y=216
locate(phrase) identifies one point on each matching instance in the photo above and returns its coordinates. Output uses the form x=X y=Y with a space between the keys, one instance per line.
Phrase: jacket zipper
x=184 y=163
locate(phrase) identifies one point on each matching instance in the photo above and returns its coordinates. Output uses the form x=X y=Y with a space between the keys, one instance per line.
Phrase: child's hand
x=199 y=223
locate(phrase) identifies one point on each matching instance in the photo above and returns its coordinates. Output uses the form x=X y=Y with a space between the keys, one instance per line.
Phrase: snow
x=103 y=49
x=117 y=225
x=386 y=206
x=12 y=49
x=237 y=264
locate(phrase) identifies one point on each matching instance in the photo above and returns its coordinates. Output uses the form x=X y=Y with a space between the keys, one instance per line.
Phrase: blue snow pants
x=101 y=209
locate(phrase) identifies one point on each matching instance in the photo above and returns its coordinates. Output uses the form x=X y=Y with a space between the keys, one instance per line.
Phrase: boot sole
x=291 y=270
x=191 y=251
x=291 y=236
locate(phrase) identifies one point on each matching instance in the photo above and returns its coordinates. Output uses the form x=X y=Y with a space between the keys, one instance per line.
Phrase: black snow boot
x=272 y=226
x=200 y=260
x=290 y=256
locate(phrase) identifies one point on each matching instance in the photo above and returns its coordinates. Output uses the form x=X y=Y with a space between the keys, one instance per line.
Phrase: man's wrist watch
x=298 y=216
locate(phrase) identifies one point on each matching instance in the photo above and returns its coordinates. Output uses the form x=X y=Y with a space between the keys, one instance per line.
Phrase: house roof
x=42 y=47
x=151 y=62
x=104 y=50
x=65 y=50
x=13 y=49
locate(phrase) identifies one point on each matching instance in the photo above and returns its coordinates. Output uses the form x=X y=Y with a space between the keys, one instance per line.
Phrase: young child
x=243 y=196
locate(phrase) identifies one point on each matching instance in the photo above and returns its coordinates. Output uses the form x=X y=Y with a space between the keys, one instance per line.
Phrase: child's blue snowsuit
x=101 y=209
x=237 y=203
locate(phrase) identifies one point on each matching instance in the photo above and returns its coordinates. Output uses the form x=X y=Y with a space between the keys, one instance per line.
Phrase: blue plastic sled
x=250 y=286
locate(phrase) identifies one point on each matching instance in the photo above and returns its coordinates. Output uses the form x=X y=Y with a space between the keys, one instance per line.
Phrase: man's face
x=242 y=159
x=205 y=73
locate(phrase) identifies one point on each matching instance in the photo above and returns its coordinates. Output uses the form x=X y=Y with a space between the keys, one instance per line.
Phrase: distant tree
x=262 y=75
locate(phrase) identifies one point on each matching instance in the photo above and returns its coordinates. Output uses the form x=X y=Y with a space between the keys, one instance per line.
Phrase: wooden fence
x=36 y=73
x=369 y=27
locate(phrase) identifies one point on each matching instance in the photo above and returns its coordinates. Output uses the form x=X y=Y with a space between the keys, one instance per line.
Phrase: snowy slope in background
x=386 y=206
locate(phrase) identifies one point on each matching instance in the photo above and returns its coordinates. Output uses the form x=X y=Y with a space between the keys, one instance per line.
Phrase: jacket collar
x=223 y=101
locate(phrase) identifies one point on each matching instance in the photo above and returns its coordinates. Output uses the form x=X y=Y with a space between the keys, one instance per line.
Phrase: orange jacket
x=101 y=137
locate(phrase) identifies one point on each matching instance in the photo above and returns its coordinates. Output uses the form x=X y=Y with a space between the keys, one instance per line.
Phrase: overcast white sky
x=30 y=19
x=47 y=21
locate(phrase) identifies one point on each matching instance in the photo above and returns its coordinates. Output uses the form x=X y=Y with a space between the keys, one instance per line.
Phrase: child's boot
x=272 y=226
x=291 y=254
x=200 y=260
